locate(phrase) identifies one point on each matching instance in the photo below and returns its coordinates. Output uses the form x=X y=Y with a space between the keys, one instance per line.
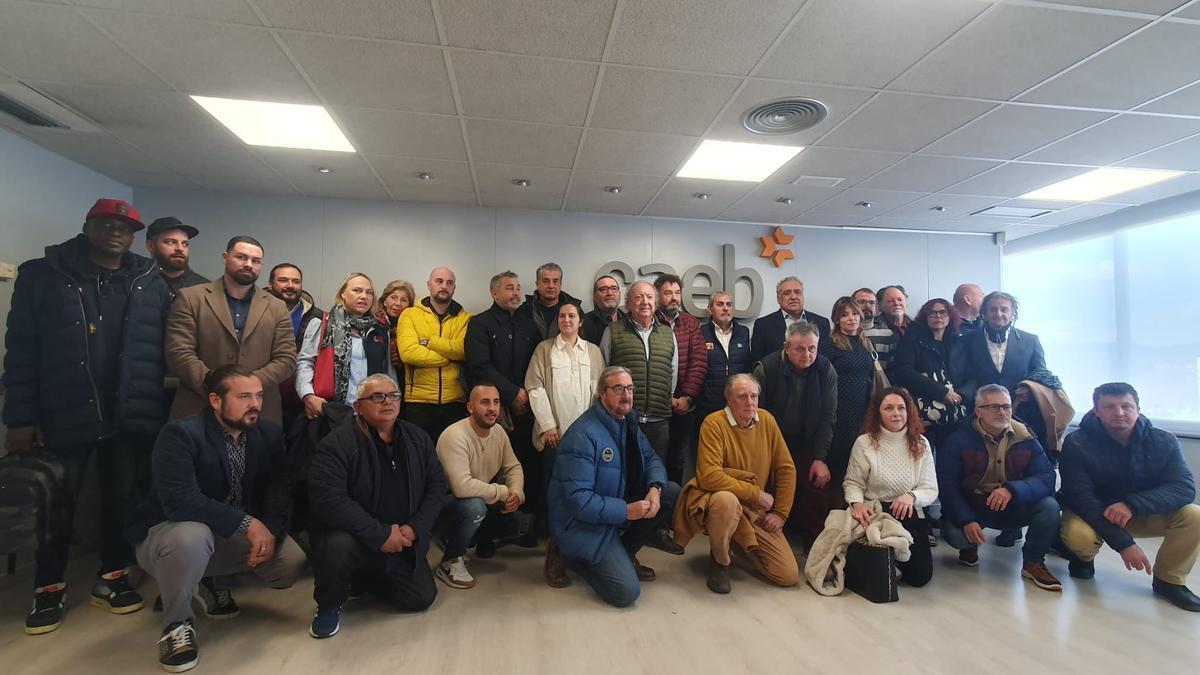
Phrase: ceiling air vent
x=28 y=107
x=784 y=116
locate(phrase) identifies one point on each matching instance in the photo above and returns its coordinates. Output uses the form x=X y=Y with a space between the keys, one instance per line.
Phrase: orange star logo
x=772 y=247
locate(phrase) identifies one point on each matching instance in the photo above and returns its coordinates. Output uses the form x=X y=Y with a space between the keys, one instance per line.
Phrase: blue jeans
x=613 y=577
x=465 y=519
x=1042 y=518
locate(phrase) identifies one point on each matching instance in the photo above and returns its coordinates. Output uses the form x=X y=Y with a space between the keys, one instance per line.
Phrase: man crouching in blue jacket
x=1122 y=478
x=609 y=493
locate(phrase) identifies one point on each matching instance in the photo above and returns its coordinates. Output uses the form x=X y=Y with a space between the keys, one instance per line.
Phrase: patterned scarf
x=339 y=335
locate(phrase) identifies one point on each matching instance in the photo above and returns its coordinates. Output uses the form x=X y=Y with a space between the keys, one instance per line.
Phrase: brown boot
x=553 y=570
x=643 y=572
x=718 y=577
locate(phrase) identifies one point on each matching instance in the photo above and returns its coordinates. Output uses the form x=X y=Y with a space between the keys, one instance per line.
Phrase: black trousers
x=433 y=418
x=123 y=468
x=341 y=561
x=532 y=463
x=918 y=570
x=680 y=447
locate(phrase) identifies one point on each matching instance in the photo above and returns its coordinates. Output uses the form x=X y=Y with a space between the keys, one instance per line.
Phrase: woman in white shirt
x=891 y=463
x=561 y=382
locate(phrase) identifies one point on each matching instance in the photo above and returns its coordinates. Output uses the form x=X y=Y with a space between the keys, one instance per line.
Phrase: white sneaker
x=454 y=572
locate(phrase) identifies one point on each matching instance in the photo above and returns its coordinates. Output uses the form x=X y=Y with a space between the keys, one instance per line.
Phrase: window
x=1120 y=307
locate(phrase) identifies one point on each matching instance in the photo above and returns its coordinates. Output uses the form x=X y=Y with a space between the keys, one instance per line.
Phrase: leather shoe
x=1177 y=594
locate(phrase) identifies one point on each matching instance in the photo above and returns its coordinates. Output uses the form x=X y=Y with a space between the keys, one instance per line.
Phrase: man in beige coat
x=226 y=321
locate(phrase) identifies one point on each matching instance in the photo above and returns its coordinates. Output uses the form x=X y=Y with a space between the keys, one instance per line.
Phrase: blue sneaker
x=326 y=623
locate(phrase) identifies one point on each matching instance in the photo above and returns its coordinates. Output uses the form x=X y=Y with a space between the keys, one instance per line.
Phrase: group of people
x=356 y=438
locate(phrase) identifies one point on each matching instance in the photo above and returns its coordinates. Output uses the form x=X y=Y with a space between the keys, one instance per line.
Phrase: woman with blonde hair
x=343 y=347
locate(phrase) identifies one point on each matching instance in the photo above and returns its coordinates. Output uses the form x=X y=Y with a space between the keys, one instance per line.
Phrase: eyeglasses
x=380 y=397
x=938 y=314
x=608 y=289
x=996 y=407
x=621 y=388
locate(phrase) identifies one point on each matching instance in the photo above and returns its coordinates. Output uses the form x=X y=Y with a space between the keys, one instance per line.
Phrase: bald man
x=967 y=300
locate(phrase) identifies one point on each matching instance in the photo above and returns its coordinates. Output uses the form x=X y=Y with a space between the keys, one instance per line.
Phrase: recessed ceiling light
x=865 y=205
x=324 y=169
x=277 y=125
x=1099 y=184
x=701 y=195
x=425 y=175
x=726 y=160
x=522 y=182
x=939 y=209
x=784 y=200
x=613 y=189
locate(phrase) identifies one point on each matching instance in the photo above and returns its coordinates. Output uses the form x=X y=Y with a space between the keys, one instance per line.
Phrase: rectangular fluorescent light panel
x=1012 y=212
x=277 y=125
x=726 y=160
x=1100 y=183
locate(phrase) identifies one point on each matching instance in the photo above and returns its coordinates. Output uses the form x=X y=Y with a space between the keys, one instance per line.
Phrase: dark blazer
x=498 y=347
x=344 y=485
x=769 y=331
x=971 y=364
x=190 y=477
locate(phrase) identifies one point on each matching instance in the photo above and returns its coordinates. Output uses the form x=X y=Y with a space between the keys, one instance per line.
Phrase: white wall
x=43 y=199
x=329 y=238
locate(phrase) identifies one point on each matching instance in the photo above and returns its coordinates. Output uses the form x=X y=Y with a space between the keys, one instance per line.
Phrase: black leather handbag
x=871 y=572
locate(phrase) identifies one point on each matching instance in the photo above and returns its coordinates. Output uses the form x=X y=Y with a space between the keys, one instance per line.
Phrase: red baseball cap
x=116 y=208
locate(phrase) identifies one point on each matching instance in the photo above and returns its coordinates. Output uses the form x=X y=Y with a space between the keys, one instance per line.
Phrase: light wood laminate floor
x=980 y=620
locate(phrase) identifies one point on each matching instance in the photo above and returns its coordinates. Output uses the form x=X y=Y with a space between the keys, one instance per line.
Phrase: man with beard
x=376 y=488
x=431 y=338
x=891 y=323
x=967 y=300
x=217 y=514
x=542 y=306
x=487 y=482
x=769 y=330
x=286 y=282
x=606 y=300
x=168 y=241
x=84 y=372
x=225 y=321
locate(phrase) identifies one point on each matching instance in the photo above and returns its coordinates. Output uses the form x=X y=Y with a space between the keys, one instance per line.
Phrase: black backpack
x=34 y=503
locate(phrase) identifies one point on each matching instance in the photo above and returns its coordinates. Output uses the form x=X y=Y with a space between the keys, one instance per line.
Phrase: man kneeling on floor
x=609 y=494
x=376 y=489
x=742 y=454
x=992 y=472
x=487 y=482
x=218 y=511
x=1122 y=477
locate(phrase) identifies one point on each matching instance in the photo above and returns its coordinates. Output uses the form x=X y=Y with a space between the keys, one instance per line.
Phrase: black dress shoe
x=1177 y=594
x=664 y=542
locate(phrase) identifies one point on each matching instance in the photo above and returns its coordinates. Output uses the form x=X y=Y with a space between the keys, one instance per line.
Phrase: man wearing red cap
x=84 y=371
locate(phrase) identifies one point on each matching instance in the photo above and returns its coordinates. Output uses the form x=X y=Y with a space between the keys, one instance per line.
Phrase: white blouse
x=572 y=393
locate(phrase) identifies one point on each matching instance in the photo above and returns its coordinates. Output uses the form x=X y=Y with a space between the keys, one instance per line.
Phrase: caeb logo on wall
x=701 y=281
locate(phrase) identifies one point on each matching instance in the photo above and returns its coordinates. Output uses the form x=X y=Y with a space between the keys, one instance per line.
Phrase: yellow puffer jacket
x=432 y=352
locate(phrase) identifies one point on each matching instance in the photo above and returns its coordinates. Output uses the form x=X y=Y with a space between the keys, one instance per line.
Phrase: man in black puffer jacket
x=84 y=372
x=1121 y=478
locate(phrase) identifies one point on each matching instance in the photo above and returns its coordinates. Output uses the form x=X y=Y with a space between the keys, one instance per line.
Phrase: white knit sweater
x=886 y=471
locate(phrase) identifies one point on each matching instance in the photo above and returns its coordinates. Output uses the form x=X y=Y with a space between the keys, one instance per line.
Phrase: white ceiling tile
x=634 y=151
x=1012 y=48
x=1181 y=156
x=138 y=112
x=408 y=20
x=654 y=100
x=678 y=197
x=1073 y=214
x=46 y=42
x=865 y=42
x=523 y=200
x=433 y=196
x=1186 y=101
x=1188 y=182
x=761 y=205
x=401 y=173
x=587 y=192
x=1157 y=60
x=1010 y=131
x=903 y=122
x=829 y=220
x=388 y=132
x=351 y=178
x=198 y=155
x=523 y=88
x=563 y=28
x=101 y=152
x=1192 y=12
x=496 y=180
x=1159 y=7
x=852 y=166
x=840 y=102
x=228 y=11
x=147 y=179
x=882 y=201
x=209 y=59
x=1116 y=139
x=966 y=226
x=956 y=207
x=1014 y=179
x=703 y=35
x=373 y=74
x=927 y=174
x=498 y=142
x=901 y=223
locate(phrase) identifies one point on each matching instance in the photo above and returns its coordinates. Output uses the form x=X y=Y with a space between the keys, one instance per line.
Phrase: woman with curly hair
x=891 y=463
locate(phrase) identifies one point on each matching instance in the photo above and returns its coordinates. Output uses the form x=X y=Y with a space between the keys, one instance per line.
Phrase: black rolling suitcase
x=34 y=503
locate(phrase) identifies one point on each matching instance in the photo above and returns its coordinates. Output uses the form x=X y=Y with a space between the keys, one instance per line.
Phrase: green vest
x=651 y=377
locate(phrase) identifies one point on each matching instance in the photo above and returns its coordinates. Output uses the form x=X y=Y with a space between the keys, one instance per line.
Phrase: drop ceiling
x=958 y=104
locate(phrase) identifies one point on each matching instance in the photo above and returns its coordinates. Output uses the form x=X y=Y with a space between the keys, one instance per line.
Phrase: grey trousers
x=179 y=554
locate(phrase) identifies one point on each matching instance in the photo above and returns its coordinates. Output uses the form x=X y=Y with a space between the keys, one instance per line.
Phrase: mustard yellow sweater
x=759 y=450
